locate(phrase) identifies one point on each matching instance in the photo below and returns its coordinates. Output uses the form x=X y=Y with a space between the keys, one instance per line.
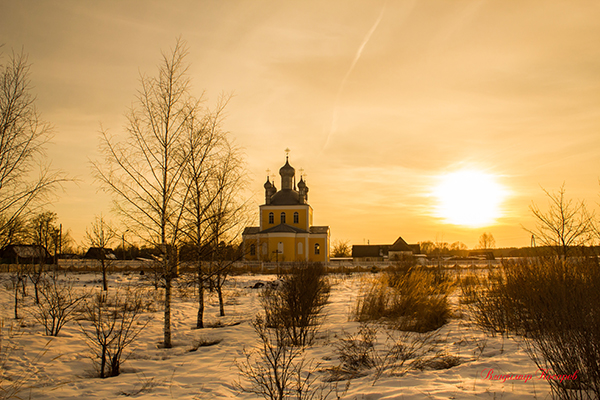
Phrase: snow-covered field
x=61 y=368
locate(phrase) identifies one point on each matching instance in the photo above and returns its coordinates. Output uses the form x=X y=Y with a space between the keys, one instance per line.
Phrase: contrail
x=345 y=79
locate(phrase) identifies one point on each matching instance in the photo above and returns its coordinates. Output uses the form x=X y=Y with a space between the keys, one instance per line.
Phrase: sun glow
x=469 y=198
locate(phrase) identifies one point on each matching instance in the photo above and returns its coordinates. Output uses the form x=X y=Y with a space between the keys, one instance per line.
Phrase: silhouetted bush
x=115 y=321
x=276 y=370
x=555 y=305
x=294 y=306
x=58 y=301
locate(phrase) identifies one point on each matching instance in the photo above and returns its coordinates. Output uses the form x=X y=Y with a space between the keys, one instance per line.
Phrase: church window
x=271 y=218
x=317 y=248
x=283 y=218
x=300 y=249
x=296 y=217
x=252 y=250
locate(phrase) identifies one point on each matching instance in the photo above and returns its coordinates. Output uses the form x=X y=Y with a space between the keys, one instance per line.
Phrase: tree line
x=175 y=174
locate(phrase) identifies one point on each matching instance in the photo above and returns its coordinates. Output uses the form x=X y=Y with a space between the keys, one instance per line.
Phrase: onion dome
x=301 y=184
x=268 y=184
x=287 y=170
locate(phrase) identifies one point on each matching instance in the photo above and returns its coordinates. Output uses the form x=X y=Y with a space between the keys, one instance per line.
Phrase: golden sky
x=377 y=100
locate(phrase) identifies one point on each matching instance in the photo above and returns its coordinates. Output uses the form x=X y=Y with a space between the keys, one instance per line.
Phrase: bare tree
x=226 y=215
x=202 y=147
x=566 y=224
x=486 y=241
x=214 y=215
x=100 y=234
x=145 y=170
x=341 y=248
x=22 y=138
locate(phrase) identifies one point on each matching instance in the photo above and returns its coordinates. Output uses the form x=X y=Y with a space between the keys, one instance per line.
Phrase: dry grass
x=413 y=299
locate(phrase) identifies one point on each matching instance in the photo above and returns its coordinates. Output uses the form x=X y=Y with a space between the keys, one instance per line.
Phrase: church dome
x=287 y=170
x=301 y=184
x=286 y=197
x=268 y=184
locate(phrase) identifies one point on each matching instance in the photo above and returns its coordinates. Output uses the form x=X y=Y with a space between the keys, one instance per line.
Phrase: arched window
x=252 y=250
x=271 y=218
x=283 y=218
x=296 y=217
x=280 y=247
x=300 y=249
x=317 y=248
x=264 y=248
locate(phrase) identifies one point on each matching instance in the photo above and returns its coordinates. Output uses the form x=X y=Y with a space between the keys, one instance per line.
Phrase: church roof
x=284 y=228
x=251 y=230
x=319 y=229
x=285 y=197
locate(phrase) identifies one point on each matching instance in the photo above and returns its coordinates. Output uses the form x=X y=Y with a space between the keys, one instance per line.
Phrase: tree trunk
x=17 y=299
x=220 y=294
x=104 y=286
x=103 y=361
x=200 y=318
x=167 y=328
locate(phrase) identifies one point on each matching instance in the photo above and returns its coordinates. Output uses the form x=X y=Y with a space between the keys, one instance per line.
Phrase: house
x=286 y=232
x=25 y=254
x=382 y=252
x=100 y=253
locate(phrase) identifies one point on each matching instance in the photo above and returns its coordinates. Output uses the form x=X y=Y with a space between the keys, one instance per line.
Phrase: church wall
x=304 y=216
x=323 y=255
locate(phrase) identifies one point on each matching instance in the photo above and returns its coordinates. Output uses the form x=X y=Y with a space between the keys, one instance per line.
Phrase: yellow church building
x=286 y=233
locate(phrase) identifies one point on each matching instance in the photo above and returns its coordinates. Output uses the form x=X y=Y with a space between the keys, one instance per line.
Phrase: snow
x=61 y=367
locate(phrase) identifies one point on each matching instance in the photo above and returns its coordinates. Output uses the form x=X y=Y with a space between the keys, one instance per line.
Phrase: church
x=286 y=233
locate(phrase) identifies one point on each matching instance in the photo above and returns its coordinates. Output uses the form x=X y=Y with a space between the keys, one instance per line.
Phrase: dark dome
x=285 y=197
x=268 y=184
x=287 y=170
x=301 y=184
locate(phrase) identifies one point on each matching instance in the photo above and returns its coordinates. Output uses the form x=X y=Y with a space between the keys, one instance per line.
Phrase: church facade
x=285 y=232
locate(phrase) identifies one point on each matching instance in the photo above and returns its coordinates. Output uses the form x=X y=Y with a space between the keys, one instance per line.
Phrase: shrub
x=58 y=301
x=115 y=322
x=554 y=303
x=398 y=353
x=277 y=371
x=356 y=352
x=294 y=306
x=413 y=300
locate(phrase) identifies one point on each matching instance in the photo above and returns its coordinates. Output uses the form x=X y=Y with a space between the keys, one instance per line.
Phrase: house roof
x=373 y=250
x=27 y=250
x=99 y=253
x=400 y=245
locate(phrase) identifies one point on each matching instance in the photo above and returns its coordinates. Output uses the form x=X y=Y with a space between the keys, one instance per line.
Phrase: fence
x=85 y=265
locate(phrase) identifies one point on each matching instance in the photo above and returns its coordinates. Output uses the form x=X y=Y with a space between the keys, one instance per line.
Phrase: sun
x=469 y=198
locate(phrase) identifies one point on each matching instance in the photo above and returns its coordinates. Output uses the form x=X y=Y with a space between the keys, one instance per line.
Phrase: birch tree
x=144 y=170
x=26 y=181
